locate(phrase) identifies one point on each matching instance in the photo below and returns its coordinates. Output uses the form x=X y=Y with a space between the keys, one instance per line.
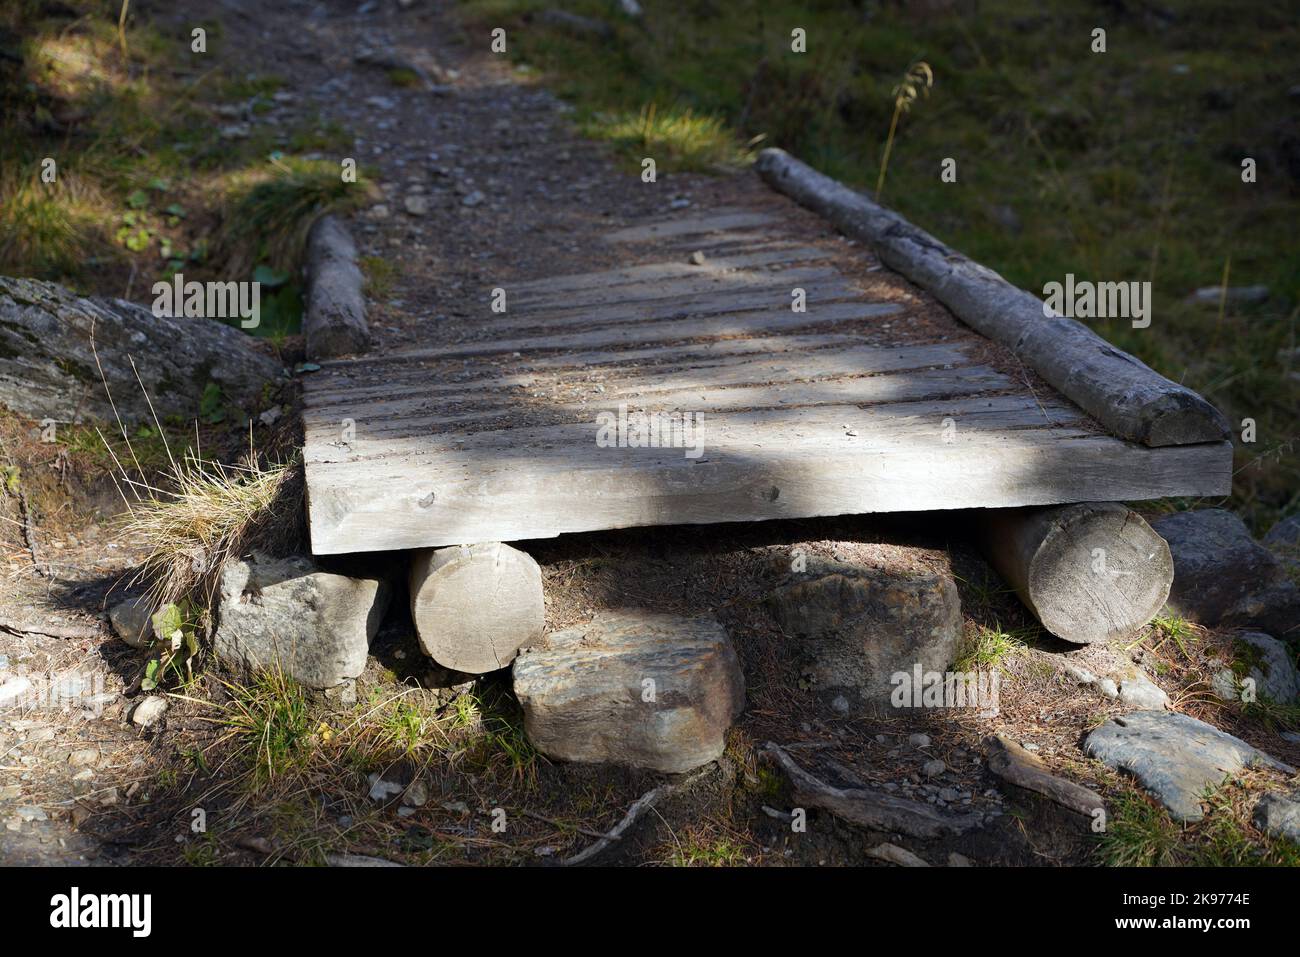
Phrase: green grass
x=269 y=217
x=989 y=647
x=1177 y=630
x=1116 y=166
x=1140 y=833
x=380 y=275
x=704 y=846
x=272 y=718
x=680 y=139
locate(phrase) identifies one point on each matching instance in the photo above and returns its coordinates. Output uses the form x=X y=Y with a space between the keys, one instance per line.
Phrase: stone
x=149 y=712
x=919 y=740
x=1223 y=576
x=1284 y=537
x=933 y=768
x=1122 y=680
x=315 y=624
x=862 y=626
x=83 y=758
x=131 y=621
x=1138 y=691
x=381 y=788
x=1174 y=756
x=83 y=781
x=14 y=690
x=474 y=198
x=632 y=688
x=1278 y=815
x=1264 y=659
x=416 y=794
x=416 y=205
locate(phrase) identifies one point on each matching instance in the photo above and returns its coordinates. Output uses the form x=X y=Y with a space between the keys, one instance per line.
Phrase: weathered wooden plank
x=778 y=255
x=369 y=369
x=419 y=413
x=805 y=427
x=516 y=497
x=673 y=330
x=677 y=287
x=690 y=225
x=693 y=373
x=721 y=302
x=1125 y=395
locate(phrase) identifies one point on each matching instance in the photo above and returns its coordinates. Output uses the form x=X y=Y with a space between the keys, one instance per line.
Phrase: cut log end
x=1183 y=419
x=1091 y=572
x=476 y=606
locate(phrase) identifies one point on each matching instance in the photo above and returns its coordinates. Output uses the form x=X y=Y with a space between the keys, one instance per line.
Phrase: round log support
x=1090 y=572
x=476 y=606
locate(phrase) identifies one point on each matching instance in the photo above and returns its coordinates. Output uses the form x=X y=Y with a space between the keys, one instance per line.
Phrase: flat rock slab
x=315 y=624
x=632 y=688
x=1174 y=756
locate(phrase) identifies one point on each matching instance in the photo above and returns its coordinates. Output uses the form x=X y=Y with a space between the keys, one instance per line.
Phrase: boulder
x=1223 y=576
x=48 y=368
x=1266 y=660
x=1284 y=537
x=1278 y=815
x=862 y=626
x=632 y=688
x=316 y=625
x=1174 y=756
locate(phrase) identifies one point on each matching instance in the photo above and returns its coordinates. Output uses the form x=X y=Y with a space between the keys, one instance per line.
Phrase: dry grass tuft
x=272 y=211
x=208 y=513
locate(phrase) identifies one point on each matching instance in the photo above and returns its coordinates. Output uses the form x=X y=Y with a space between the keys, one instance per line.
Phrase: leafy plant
x=176 y=634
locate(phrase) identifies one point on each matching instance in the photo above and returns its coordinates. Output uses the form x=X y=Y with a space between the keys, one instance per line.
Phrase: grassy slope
x=148 y=184
x=1115 y=166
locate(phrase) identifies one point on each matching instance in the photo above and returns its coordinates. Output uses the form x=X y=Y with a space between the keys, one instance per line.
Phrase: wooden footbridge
x=688 y=387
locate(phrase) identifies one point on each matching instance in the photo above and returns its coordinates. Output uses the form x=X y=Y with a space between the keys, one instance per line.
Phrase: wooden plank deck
x=536 y=422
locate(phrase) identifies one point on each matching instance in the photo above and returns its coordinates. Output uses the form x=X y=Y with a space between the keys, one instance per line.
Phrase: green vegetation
x=989 y=647
x=1140 y=833
x=1123 y=165
x=126 y=157
x=272 y=718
